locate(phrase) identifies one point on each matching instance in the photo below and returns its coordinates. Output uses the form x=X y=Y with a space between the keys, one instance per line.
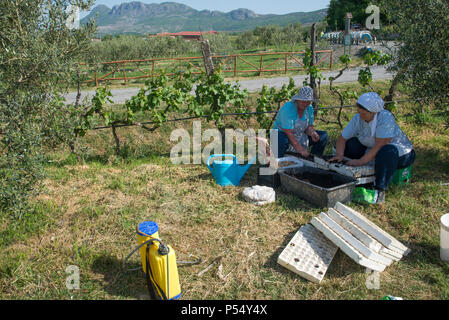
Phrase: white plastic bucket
x=444 y=238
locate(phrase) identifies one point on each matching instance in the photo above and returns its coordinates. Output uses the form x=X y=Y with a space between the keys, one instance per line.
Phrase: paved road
x=351 y=75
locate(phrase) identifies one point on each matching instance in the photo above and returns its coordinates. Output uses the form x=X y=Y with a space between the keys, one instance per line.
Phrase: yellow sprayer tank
x=163 y=269
x=146 y=231
x=164 y=272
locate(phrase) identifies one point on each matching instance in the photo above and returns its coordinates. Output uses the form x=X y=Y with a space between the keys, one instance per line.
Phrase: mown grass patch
x=87 y=215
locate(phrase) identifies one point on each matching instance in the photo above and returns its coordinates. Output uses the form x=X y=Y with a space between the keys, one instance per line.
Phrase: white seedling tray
x=308 y=254
x=359 y=238
x=363 y=174
x=298 y=163
x=313 y=247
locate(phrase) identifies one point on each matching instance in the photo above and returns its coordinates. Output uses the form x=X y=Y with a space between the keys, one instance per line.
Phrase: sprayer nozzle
x=163 y=250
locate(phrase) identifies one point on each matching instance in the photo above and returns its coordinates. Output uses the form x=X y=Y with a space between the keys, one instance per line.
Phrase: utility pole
x=312 y=49
x=347 y=38
x=312 y=62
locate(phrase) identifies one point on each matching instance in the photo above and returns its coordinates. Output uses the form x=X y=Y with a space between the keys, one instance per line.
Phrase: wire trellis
x=233 y=114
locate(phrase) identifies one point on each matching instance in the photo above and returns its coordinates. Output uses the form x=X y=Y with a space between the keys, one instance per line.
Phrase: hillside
x=141 y=18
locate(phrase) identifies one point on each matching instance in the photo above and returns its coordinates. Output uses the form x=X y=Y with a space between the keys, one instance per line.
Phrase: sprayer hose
x=147 y=242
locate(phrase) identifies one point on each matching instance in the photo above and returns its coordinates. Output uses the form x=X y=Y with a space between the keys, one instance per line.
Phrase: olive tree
x=220 y=43
x=246 y=40
x=38 y=52
x=292 y=35
x=265 y=35
x=422 y=58
x=338 y=8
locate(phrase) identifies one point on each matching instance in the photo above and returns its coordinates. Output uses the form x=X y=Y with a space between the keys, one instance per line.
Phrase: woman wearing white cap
x=373 y=134
x=294 y=126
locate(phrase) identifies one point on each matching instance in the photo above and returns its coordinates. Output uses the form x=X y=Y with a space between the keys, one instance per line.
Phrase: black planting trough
x=319 y=187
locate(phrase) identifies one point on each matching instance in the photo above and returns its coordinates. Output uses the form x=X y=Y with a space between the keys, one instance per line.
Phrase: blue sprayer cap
x=147 y=229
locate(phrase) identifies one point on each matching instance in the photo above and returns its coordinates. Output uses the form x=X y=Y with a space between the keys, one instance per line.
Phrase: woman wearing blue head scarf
x=374 y=135
x=294 y=126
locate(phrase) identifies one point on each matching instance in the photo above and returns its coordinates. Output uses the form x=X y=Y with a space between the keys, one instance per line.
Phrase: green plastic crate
x=402 y=176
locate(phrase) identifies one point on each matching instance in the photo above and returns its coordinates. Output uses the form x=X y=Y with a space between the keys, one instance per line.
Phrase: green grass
x=87 y=213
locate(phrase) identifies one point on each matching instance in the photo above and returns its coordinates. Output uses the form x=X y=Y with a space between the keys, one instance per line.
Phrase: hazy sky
x=258 y=6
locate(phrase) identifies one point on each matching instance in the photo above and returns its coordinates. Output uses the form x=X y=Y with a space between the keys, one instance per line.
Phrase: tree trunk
x=207 y=56
x=117 y=141
x=394 y=85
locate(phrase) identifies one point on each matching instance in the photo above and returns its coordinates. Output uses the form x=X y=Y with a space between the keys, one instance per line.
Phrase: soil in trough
x=323 y=180
x=327 y=158
x=309 y=158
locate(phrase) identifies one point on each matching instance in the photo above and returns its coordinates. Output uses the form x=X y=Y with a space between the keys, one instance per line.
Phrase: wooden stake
x=207 y=56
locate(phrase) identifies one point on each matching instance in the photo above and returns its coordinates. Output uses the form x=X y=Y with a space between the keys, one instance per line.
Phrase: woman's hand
x=304 y=153
x=341 y=145
x=294 y=143
x=356 y=163
x=311 y=132
x=315 y=136
x=337 y=158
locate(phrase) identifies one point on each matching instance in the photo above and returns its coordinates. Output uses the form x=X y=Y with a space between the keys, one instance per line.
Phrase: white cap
x=372 y=102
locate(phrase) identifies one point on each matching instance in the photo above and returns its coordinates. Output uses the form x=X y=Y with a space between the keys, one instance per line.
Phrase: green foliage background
x=37 y=56
x=133 y=47
x=338 y=8
x=422 y=61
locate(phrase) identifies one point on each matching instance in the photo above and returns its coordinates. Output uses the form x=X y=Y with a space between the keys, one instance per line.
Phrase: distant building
x=187 y=35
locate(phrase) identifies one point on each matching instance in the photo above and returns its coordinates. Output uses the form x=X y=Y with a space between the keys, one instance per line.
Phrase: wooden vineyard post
x=180 y=69
x=207 y=56
x=124 y=72
x=261 y=65
x=286 y=63
x=152 y=71
x=235 y=66
x=332 y=59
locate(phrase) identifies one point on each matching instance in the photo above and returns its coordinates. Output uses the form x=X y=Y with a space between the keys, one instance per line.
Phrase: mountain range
x=141 y=18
